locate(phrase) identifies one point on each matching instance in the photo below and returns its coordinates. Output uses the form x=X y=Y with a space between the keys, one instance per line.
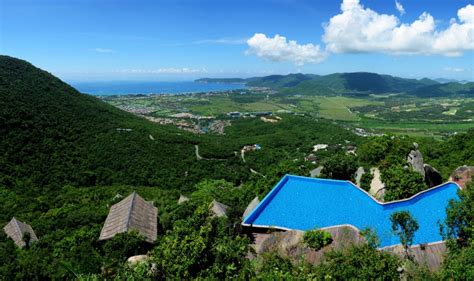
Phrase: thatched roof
x=15 y=229
x=132 y=213
x=219 y=209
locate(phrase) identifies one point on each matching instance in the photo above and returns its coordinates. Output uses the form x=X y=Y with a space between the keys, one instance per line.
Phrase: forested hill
x=353 y=83
x=52 y=135
x=444 y=90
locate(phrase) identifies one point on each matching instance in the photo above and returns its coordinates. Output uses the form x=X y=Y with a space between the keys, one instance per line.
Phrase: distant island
x=222 y=80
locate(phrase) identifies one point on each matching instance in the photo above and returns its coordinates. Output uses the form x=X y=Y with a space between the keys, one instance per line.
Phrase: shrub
x=317 y=239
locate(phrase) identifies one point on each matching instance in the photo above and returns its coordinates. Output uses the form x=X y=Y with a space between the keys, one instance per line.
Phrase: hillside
x=445 y=90
x=52 y=135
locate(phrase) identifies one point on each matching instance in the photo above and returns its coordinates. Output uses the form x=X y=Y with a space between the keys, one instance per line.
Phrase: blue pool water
x=306 y=203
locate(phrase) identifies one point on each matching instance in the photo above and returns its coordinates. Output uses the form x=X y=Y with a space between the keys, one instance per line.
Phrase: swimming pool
x=303 y=203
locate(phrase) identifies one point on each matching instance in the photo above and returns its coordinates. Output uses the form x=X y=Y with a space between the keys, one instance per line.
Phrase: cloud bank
x=279 y=48
x=361 y=30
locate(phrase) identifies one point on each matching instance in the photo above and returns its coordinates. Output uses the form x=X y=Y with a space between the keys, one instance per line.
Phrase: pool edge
x=266 y=200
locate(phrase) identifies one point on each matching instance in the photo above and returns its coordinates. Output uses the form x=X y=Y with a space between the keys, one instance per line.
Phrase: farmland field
x=395 y=114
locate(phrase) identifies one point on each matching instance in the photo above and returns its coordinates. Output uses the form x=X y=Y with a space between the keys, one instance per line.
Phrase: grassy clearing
x=337 y=108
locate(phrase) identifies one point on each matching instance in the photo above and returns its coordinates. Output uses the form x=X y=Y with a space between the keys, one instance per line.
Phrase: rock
x=251 y=207
x=415 y=146
x=462 y=175
x=432 y=176
x=134 y=260
x=290 y=243
x=182 y=199
x=351 y=149
x=219 y=209
x=316 y=172
x=359 y=173
x=311 y=158
x=416 y=161
x=377 y=188
x=320 y=147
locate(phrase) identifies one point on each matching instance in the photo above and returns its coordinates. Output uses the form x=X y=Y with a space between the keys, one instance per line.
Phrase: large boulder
x=432 y=176
x=316 y=172
x=359 y=173
x=377 y=187
x=416 y=160
x=218 y=209
x=462 y=175
x=134 y=260
x=251 y=206
x=290 y=243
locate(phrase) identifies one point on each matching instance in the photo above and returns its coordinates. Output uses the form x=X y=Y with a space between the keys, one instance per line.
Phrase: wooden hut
x=132 y=213
x=16 y=230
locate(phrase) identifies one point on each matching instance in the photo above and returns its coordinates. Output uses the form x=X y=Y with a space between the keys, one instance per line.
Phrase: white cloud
x=454 y=69
x=359 y=29
x=169 y=70
x=399 y=7
x=104 y=51
x=279 y=48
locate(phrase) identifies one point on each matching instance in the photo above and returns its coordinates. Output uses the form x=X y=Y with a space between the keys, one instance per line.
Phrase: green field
x=415 y=117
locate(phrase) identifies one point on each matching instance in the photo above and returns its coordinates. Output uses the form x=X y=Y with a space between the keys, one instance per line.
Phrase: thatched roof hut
x=16 y=229
x=132 y=213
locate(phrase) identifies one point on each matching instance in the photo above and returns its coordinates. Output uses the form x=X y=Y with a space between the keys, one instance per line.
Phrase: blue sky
x=84 y=40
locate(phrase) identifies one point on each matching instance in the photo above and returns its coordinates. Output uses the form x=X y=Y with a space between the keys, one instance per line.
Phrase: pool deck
x=248 y=220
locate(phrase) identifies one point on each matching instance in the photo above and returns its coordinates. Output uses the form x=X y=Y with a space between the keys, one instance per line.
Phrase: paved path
x=198 y=157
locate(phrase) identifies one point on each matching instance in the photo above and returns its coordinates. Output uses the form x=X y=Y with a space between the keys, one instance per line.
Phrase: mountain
x=279 y=81
x=52 y=135
x=444 y=90
x=446 y=80
x=359 y=83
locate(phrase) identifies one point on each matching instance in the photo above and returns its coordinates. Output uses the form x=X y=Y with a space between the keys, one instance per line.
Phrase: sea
x=146 y=88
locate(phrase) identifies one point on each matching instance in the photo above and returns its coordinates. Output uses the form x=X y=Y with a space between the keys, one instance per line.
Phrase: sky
x=173 y=40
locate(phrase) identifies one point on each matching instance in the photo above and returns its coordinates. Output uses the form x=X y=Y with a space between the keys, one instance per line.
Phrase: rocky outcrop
x=290 y=243
x=134 y=260
x=416 y=160
x=219 y=209
x=432 y=176
x=462 y=175
x=358 y=176
x=251 y=207
x=377 y=187
x=316 y=172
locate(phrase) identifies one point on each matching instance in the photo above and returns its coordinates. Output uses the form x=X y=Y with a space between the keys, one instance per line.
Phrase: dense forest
x=65 y=156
